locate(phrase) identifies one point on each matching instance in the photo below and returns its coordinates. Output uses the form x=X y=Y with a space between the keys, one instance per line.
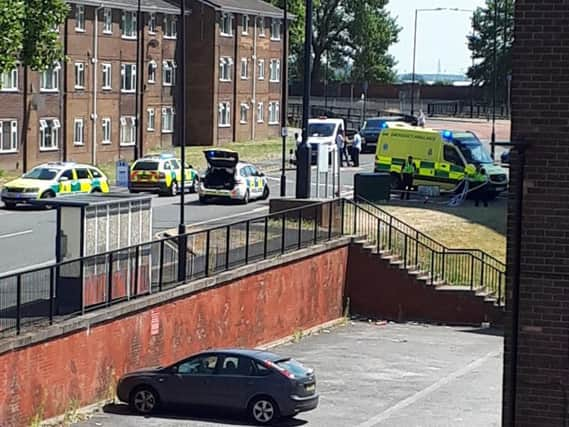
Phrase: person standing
x=407 y=173
x=480 y=187
x=421 y=120
x=356 y=148
x=341 y=144
x=298 y=138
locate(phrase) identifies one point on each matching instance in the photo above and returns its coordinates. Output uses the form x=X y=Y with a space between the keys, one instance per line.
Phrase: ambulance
x=442 y=158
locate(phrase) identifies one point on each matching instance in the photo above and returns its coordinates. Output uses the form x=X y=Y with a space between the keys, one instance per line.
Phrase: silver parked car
x=265 y=385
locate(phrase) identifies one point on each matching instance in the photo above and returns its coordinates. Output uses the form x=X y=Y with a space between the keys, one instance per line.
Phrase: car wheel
x=143 y=400
x=263 y=410
x=9 y=205
x=246 y=198
x=193 y=188
x=396 y=183
x=203 y=200
x=266 y=193
x=173 y=190
x=96 y=190
x=48 y=195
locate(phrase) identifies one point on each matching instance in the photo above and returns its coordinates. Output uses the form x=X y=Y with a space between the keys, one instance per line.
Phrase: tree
x=482 y=46
x=29 y=33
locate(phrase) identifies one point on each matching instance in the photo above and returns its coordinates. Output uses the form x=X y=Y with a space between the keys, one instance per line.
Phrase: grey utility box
x=372 y=186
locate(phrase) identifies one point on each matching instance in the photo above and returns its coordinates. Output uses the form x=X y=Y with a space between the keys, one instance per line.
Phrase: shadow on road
x=492 y=331
x=199 y=414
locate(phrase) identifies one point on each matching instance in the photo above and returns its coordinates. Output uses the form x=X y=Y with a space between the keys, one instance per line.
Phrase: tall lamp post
x=284 y=109
x=494 y=78
x=438 y=9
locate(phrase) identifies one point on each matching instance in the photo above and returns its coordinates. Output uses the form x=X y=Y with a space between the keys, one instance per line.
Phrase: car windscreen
x=145 y=166
x=373 y=124
x=294 y=367
x=321 y=129
x=473 y=150
x=42 y=173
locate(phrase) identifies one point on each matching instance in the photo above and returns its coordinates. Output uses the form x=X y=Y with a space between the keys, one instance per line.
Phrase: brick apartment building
x=58 y=114
x=536 y=368
x=235 y=71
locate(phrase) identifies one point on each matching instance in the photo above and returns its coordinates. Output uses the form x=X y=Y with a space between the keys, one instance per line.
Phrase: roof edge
x=125 y=6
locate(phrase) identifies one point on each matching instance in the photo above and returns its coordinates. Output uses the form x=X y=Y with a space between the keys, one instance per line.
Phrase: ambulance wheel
x=9 y=205
x=396 y=183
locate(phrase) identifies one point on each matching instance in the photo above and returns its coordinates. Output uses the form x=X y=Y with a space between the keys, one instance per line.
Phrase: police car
x=52 y=179
x=162 y=174
x=227 y=177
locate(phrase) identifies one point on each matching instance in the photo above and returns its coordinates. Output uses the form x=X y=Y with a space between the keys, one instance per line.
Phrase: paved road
x=377 y=375
x=27 y=236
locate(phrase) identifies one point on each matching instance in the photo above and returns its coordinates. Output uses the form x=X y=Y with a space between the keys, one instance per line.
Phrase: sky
x=441 y=36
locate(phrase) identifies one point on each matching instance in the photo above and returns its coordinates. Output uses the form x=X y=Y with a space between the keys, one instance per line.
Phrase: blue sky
x=441 y=35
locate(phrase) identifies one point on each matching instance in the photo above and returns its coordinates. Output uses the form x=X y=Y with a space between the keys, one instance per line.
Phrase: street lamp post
x=495 y=76
x=284 y=109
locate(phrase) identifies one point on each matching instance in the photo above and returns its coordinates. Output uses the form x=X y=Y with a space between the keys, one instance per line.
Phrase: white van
x=323 y=131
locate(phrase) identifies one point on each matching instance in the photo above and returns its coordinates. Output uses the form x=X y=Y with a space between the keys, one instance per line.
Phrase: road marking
x=194 y=224
x=28 y=268
x=372 y=422
x=18 y=233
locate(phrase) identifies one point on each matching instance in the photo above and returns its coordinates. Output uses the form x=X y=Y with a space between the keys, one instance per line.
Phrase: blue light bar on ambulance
x=447 y=134
x=384 y=125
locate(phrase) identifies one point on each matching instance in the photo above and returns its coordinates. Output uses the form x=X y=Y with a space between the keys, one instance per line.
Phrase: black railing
x=74 y=287
x=471 y=268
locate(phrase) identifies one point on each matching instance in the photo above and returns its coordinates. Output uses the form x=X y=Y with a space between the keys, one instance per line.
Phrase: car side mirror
x=261 y=174
x=189 y=166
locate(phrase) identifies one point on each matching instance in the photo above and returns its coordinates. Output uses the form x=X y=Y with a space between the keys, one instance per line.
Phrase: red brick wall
x=82 y=366
x=380 y=290
x=540 y=105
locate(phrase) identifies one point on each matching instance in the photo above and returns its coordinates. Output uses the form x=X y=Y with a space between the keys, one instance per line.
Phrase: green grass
x=250 y=151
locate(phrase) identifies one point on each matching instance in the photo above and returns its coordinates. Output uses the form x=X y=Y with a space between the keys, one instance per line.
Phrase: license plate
x=310 y=387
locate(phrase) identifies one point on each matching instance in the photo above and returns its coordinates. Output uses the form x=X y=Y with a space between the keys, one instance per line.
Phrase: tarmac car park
x=228 y=178
x=51 y=179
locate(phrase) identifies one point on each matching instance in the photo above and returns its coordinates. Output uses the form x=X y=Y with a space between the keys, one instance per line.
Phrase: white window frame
x=244 y=24
x=261 y=27
x=134 y=34
x=172 y=113
x=244 y=69
x=224 y=113
x=244 y=113
x=54 y=79
x=129 y=121
x=261 y=69
x=152 y=71
x=168 y=66
x=124 y=78
x=107 y=75
x=106 y=126
x=79 y=75
x=13 y=136
x=79 y=18
x=170 y=23
x=152 y=23
x=55 y=126
x=151 y=126
x=229 y=18
x=107 y=20
x=260 y=112
x=12 y=77
x=225 y=61
x=274 y=107
x=78 y=131
x=276 y=24
x=275 y=70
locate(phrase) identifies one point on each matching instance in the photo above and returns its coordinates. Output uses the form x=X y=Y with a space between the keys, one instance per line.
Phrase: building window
x=128 y=25
x=225 y=69
x=261 y=28
x=170 y=26
x=128 y=74
x=168 y=73
x=151 y=120
x=79 y=18
x=9 y=81
x=152 y=23
x=167 y=120
x=49 y=134
x=152 y=72
x=50 y=79
x=79 y=75
x=276 y=29
x=128 y=130
x=226 y=24
x=107 y=76
x=107 y=20
x=224 y=114
x=244 y=69
x=275 y=70
x=8 y=136
x=106 y=123
x=244 y=113
x=260 y=112
x=78 y=127
x=245 y=24
x=274 y=113
x=261 y=69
